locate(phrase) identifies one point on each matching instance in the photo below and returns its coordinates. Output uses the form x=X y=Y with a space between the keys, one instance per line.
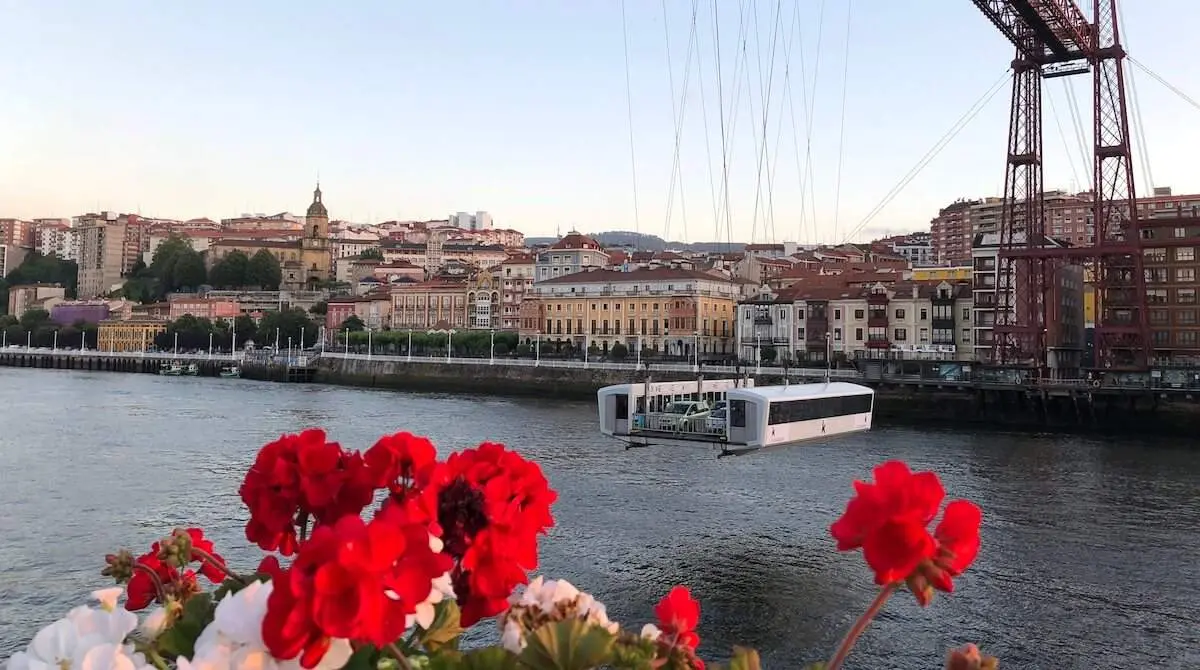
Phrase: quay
x=930 y=392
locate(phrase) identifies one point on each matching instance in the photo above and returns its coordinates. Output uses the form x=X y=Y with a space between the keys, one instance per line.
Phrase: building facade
x=429 y=305
x=674 y=311
x=573 y=253
x=129 y=335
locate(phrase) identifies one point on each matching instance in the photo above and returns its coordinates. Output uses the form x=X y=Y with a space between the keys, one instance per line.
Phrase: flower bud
x=176 y=549
x=968 y=657
x=119 y=566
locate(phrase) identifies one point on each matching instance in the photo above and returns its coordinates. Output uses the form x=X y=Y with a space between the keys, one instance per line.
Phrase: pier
x=209 y=365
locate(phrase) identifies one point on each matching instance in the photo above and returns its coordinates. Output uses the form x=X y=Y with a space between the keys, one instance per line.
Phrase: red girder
x=1048 y=32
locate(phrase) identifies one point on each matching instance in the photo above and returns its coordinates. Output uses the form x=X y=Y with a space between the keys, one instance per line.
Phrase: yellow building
x=131 y=335
x=304 y=263
x=951 y=274
x=665 y=309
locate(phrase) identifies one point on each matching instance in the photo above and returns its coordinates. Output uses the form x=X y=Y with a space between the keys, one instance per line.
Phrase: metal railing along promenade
x=97 y=353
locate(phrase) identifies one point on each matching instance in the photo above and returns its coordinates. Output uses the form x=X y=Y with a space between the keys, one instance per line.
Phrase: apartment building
x=1170 y=239
x=675 y=311
x=573 y=253
x=906 y=319
x=109 y=245
x=437 y=304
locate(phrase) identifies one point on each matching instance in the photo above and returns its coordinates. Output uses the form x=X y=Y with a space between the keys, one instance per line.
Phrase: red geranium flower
x=488 y=505
x=400 y=462
x=297 y=477
x=889 y=520
x=143 y=589
x=351 y=580
x=176 y=583
x=678 y=615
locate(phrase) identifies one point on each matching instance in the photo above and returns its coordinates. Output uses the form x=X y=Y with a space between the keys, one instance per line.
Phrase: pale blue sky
x=518 y=107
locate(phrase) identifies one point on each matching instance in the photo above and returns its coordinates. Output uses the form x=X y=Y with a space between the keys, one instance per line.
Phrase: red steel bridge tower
x=1053 y=38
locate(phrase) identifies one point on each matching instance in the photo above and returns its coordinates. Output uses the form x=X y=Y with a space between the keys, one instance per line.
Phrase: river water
x=1089 y=553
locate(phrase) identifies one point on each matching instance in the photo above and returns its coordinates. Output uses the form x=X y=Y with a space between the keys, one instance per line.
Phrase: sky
x=409 y=109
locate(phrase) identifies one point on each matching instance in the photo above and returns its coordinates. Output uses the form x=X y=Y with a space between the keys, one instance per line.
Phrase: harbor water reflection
x=1088 y=553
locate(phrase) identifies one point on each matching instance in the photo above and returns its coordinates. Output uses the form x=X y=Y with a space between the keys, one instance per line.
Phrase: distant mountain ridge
x=644 y=242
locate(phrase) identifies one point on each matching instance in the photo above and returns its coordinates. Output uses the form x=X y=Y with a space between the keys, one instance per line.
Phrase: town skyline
x=186 y=138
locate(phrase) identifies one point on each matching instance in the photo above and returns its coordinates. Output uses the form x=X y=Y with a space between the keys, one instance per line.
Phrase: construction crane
x=1053 y=38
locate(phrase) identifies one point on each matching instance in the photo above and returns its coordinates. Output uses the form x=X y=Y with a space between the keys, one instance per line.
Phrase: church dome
x=317 y=208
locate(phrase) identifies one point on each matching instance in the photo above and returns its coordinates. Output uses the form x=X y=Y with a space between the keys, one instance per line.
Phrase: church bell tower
x=314 y=245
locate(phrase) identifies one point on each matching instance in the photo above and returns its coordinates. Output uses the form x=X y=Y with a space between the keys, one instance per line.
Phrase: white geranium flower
x=513 y=638
x=66 y=643
x=651 y=632
x=233 y=641
x=110 y=656
x=154 y=623
x=440 y=589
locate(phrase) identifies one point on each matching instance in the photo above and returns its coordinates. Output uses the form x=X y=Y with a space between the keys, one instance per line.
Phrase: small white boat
x=753 y=418
x=170 y=369
x=231 y=372
x=192 y=370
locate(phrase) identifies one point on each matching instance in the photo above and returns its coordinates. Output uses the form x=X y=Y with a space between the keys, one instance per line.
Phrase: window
x=1159 y=316
x=737 y=413
x=924 y=334
x=622 y=406
x=1185 y=254
x=1188 y=337
x=799 y=333
x=966 y=316
x=1157 y=254
x=858 y=314
x=1185 y=274
x=901 y=334
x=924 y=314
x=837 y=315
x=791 y=411
x=858 y=335
x=1184 y=296
x=899 y=314
x=799 y=315
x=837 y=334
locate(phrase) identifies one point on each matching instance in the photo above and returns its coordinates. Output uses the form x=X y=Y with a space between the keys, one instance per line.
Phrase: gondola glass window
x=622 y=407
x=737 y=413
x=791 y=411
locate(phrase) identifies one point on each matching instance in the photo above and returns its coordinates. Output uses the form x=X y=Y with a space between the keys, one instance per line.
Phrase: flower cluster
x=451 y=544
x=889 y=520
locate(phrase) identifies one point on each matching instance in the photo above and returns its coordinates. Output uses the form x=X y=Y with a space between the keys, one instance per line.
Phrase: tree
x=768 y=354
x=34 y=318
x=189 y=271
x=321 y=308
x=40 y=269
x=245 y=329
x=263 y=271
x=618 y=352
x=290 y=323
x=371 y=253
x=353 y=324
x=230 y=272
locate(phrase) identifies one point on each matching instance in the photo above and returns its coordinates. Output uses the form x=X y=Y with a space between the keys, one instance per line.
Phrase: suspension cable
x=811 y=103
x=837 y=197
x=1077 y=123
x=629 y=111
x=1139 y=128
x=764 y=87
x=932 y=153
x=677 y=113
x=787 y=110
x=1169 y=86
x=1066 y=145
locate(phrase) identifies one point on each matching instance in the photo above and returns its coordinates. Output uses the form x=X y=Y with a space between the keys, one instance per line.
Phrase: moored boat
x=231 y=372
x=170 y=369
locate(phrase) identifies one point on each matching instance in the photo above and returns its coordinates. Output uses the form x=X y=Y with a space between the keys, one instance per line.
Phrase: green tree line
x=194 y=333
x=176 y=266
x=39 y=269
x=35 y=329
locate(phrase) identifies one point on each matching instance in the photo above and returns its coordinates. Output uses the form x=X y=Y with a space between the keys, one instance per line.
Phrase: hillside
x=641 y=241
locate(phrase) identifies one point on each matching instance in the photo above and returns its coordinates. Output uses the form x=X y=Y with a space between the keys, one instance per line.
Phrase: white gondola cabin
x=733 y=415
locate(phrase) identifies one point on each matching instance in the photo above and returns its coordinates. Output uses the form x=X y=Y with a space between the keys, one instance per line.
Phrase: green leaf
x=363 y=658
x=567 y=645
x=445 y=629
x=489 y=658
x=744 y=659
x=180 y=638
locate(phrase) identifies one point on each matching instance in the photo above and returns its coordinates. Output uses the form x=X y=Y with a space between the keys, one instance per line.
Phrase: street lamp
x=368 y=344
x=277 y=340
x=449 y=344
x=639 y=352
x=289 y=355
x=176 y=351
x=410 y=345
x=210 y=338
x=696 y=351
x=54 y=347
x=537 y=350
x=492 y=360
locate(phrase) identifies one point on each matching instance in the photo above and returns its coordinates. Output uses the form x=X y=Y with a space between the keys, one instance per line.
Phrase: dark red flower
x=170 y=574
x=143 y=588
x=400 y=462
x=678 y=615
x=351 y=580
x=889 y=520
x=488 y=505
x=297 y=477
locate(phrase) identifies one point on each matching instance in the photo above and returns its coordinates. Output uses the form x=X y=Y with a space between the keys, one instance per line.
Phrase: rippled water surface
x=1091 y=550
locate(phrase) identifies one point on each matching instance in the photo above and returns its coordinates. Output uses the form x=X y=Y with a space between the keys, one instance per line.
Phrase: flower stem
x=859 y=626
x=399 y=656
x=159 y=587
x=206 y=557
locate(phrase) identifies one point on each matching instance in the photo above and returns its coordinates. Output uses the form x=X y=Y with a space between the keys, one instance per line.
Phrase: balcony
x=943 y=324
x=763 y=321
x=878 y=298
x=877 y=318
x=878 y=342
